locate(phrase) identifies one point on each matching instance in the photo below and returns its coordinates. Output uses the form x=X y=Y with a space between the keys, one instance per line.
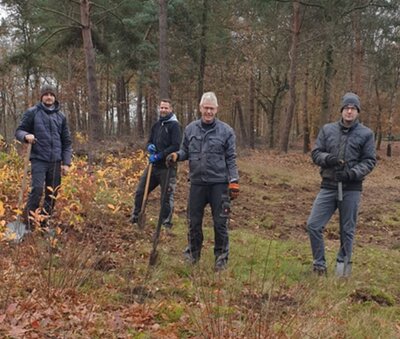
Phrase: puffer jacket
x=166 y=135
x=49 y=126
x=355 y=145
x=211 y=153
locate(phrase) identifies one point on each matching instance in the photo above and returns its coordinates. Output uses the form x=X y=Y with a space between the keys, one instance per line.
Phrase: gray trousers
x=323 y=208
x=217 y=196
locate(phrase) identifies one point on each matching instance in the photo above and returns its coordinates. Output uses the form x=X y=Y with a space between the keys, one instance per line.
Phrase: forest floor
x=92 y=279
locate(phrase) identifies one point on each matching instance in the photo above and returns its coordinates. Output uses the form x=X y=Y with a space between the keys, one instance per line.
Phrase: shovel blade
x=15 y=231
x=141 y=220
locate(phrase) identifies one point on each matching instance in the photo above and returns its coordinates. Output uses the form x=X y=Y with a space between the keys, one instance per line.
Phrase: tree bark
x=163 y=49
x=203 y=50
x=306 y=126
x=252 y=111
x=287 y=122
x=95 y=120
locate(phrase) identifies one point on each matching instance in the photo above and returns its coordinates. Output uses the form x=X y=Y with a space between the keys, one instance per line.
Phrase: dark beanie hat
x=47 y=89
x=351 y=99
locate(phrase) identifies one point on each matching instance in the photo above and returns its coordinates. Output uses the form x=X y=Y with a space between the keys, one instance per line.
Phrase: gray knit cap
x=351 y=99
x=47 y=89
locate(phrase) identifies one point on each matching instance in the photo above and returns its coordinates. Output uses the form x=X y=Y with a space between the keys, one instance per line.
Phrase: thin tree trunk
x=325 y=102
x=164 y=64
x=252 y=111
x=203 y=50
x=306 y=126
x=287 y=122
x=139 y=107
x=242 y=124
x=95 y=119
x=378 y=129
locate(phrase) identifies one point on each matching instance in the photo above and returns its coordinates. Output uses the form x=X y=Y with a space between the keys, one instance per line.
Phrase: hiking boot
x=320 y=271
x=220 y=265
x=134 y=219
x=189 y=259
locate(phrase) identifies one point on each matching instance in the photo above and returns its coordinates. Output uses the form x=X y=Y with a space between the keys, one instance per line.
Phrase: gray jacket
x=211 y=153
x=355 y=145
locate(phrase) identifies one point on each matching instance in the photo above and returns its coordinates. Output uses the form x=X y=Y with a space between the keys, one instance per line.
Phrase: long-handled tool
x=142 y=213
x=156 y=236
x=17 y=229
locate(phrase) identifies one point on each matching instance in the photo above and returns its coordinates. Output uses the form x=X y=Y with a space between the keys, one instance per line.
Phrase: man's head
x=165 y=107
x=48 y=95
x=350 y=107
x=208 y=107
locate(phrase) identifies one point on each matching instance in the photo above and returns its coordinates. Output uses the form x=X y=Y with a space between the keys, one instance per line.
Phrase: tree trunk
x=358 y=53
x=306 y=127
x=378 y=129
x=95 y=119
x=252 y=111
x=139 y=107
x=242 y=124
x=164 y=65
x=72 y=122
x=203 y=50
x=287 y=122
x=325 y=102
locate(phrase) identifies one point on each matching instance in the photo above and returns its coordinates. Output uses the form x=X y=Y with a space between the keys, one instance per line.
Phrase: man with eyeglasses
x=345 y=151
x=209 y=145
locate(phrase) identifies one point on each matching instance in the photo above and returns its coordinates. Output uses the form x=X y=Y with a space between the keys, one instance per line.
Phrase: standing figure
x=165 y=137
x=345 y=151
x=210 y=146
x=46 y=128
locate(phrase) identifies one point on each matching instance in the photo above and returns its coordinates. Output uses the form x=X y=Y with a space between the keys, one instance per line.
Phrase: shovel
x=142 y=213
x=17 y=229
x=156 y=236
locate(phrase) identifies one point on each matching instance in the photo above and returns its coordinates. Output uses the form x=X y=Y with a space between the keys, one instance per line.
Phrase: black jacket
x=166 y=135
x=53 y=139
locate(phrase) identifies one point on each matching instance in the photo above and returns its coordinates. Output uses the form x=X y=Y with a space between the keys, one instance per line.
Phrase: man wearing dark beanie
x=46 y=128
x=345 y=151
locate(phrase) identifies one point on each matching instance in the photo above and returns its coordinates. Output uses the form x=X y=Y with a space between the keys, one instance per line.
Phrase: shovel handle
x=146 y=188
x=340 y=191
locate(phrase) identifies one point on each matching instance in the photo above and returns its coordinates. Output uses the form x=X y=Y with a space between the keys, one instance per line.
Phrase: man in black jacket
x=165 y=137
x=46 y=128
x=345 y=151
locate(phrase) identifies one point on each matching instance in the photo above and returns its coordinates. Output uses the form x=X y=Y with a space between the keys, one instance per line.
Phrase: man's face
x=48 y=99
x=349 y=114
x=165 y=108
x=208 y=112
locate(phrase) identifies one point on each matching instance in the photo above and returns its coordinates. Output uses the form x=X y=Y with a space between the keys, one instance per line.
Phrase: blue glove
x=151 y=148
x=155 y=157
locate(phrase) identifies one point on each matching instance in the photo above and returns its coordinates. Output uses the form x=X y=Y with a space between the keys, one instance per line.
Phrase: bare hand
x=30 y=138
x=65 y=169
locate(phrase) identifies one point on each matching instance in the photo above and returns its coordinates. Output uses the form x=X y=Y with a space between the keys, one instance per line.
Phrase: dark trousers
x=217 y=196
x=158 y=178
x=45 y=176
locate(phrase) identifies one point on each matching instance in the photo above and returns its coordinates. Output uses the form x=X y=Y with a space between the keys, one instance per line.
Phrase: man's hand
x=151 y=148
x=30 y=138
x=171 y=159
x=332 y=161
x=155 y=157
x=344 y=176
x=233 y=190
x=65 y=169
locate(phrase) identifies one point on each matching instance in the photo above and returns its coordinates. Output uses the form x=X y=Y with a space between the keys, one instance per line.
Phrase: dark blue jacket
x=355 y=145
x=50 y=128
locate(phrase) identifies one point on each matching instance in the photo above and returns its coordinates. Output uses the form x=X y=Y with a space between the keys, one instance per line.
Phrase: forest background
x=279 y=69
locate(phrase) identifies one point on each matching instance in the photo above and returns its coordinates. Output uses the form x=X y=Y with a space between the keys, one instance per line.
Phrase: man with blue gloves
x=165 y=138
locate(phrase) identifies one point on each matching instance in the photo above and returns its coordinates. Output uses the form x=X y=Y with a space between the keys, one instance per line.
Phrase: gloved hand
x=171 y=159
x=344 y=176
x=332 y=161
x=233 y=190
x=151 y=148
x=155 y=157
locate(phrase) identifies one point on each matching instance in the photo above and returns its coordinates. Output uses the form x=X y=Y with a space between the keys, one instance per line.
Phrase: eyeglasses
x=350 y=108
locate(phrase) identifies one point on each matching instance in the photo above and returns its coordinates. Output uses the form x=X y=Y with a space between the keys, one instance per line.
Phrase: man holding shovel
x=45 y=127
x=210 y=146
x=345 y=151
x=165 y=137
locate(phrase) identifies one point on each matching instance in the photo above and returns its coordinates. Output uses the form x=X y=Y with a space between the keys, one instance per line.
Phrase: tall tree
x=163 y=41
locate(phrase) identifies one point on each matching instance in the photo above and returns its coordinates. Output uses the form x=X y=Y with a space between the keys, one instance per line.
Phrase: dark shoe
x=134 y=219
x=320 y=271
x=220 y=265
x=189 y=259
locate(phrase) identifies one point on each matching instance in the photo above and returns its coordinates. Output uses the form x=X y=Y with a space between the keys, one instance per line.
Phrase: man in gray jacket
x=345 y=151
x=210 y=146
